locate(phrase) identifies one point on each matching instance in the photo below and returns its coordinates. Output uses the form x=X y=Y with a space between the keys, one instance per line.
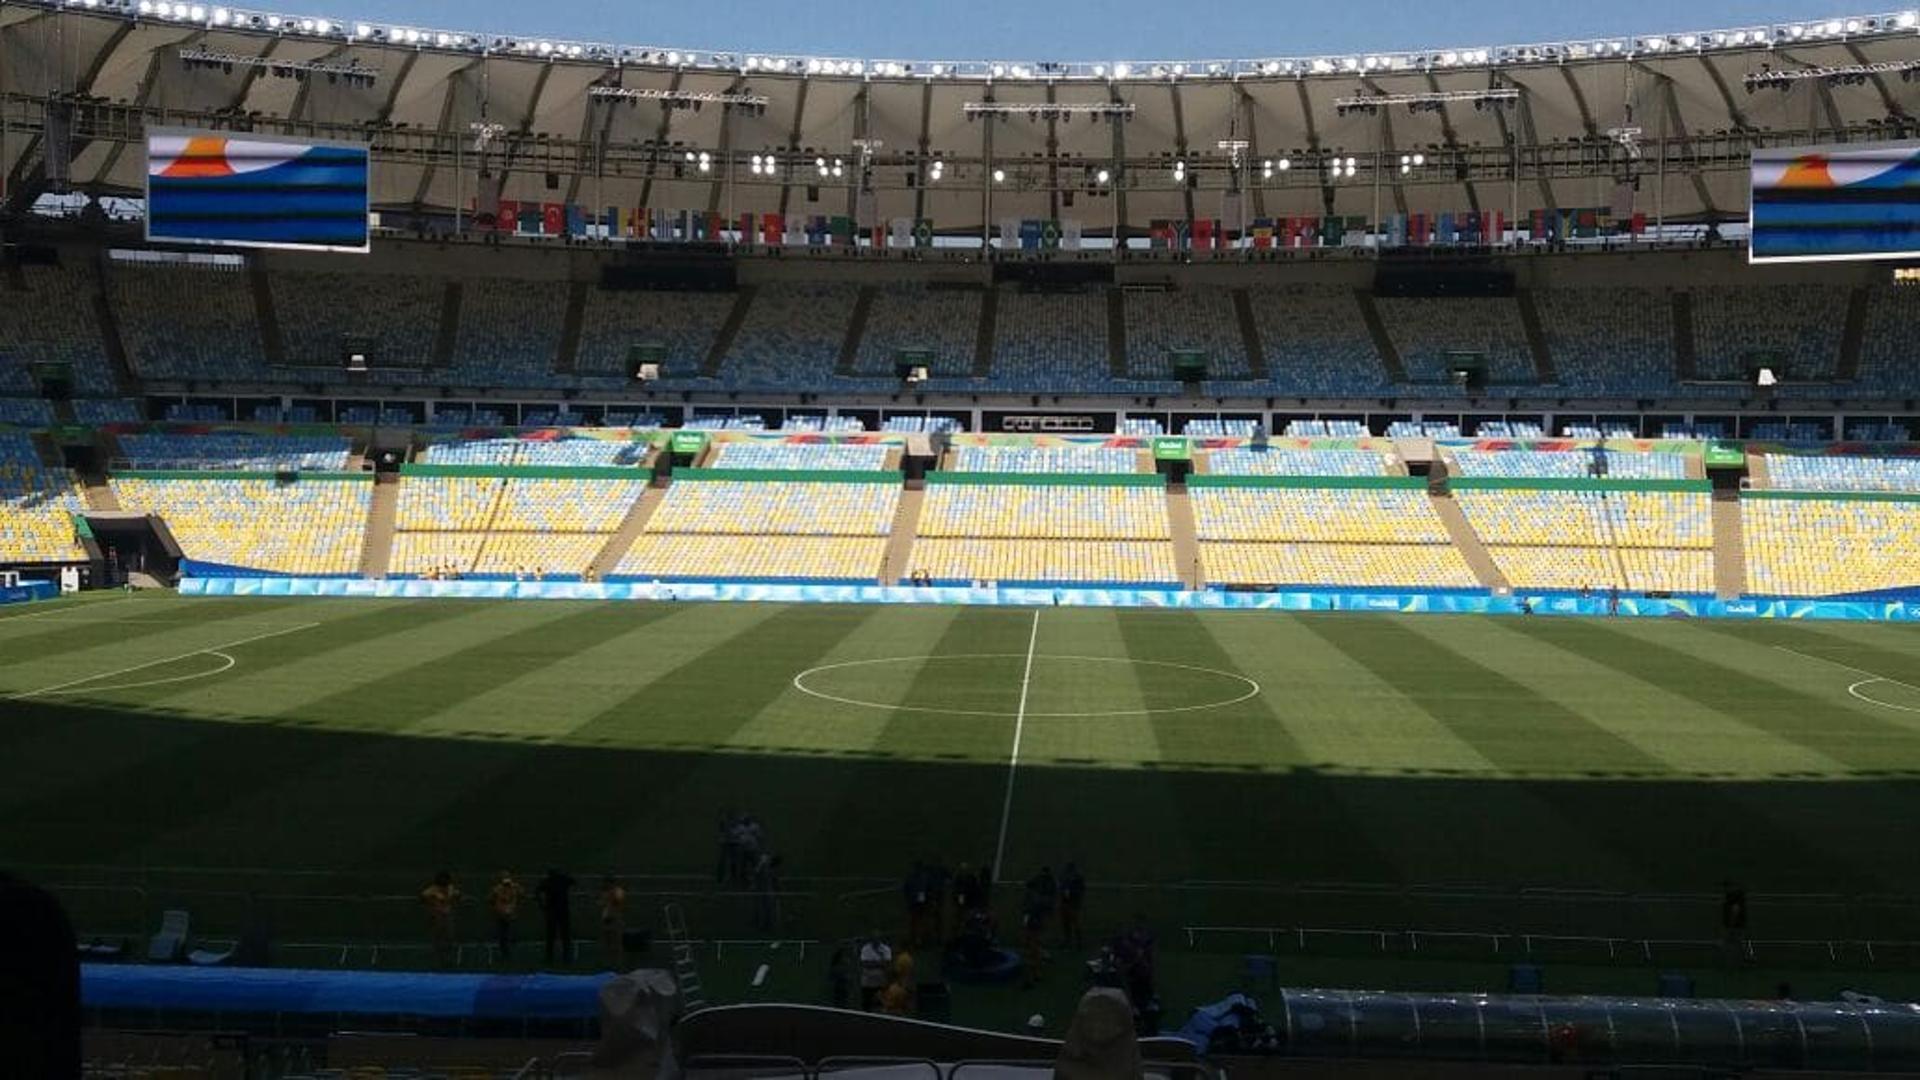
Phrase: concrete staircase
x=376 y=551
x=447 y=335
x=272 y=343
x=630 y=529
x=1852 y=335
x=1255 y=348
x=1186 y=543
x=1757 y=473
x=99 y=494
x=1382 y=341
x=983 y=341
x=1543 y=368
x=729 y=330
x=1116 y=333
x=1729 y=547
x=1468 y=542
x=856 y=329
x=569 y=354
x=1686 y=352
x=906 y=529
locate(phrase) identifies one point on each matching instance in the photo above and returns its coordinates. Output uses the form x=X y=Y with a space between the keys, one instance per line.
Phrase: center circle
x=1014 y=674
x=1887 y=693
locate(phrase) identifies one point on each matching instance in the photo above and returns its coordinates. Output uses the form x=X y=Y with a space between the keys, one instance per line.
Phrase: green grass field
x=1339 y=772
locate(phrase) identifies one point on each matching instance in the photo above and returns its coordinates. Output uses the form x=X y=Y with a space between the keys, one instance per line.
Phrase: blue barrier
x=1400 y=603
x=28 y=591
x=158 y=988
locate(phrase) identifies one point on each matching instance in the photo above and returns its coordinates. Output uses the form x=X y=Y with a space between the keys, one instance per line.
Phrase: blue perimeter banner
x=1396 y=603
x=1829 y=203
x=210 y=187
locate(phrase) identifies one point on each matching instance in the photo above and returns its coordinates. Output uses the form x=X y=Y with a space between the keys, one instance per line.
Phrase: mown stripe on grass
x=397 y=781
x=1425 y=796
x=230 y=763
x=1693 y=741
x=62 y=651
x=1876 y=657
x=663 y=793
x=1515 y=727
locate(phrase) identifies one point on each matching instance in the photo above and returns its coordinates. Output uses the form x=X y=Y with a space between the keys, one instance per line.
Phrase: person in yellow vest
x=439 y=899
x=504 y=901
x=613 y=922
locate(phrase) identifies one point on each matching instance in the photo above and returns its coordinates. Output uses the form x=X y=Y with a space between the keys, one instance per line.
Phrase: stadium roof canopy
x=1661 y=123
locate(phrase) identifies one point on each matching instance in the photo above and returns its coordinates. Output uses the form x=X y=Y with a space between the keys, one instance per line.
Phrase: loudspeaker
x=644 y=359
x=1189 y=365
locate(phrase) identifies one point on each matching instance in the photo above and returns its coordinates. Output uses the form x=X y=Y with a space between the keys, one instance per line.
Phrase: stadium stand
x=397 y=315
x=106 y=411
x=801 y=456
x=1159 y=322
x=1045 y=459
x=1509 y=429
x=725 y=422
x=37 y=505
x=800 y=422
x=53 y=322
x=545 y=526
x=509 y=332
x=1426 y=329
x=25 y=412
x=1880 y=432
x=1146 y=425
x=1326 y=429
x=241 y=451
x=916 y=424
x=1609 y=340
x=1319 y=537
x=188 y=412
x=1423 y=429
x=1824 y=472
x=792 y=336
x=915 y=316
x=1822 y=545
x=1050 y=340
x=1216 y=429
x=1734 y=324
x=1544 y=464
x=1789 y=431
x=1045 y=533
x=1274 y=461
x=1886 y=343
x=770 y=530
x=305 y=527
x=685 y=324
x=1596 y=431
x=1580 y=538
x=188 y=322
x=1316 y=341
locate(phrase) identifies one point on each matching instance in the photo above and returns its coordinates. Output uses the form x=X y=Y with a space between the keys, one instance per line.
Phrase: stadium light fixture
x=999 y=176
x=1102 y=177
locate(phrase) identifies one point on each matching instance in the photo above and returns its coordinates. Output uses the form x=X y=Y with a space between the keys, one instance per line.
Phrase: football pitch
x=1231 y=773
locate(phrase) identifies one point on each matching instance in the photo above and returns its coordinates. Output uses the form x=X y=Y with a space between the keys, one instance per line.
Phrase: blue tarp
x=362 y=993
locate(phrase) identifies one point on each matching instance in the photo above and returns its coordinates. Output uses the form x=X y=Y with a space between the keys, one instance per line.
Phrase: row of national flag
x=1031 y=234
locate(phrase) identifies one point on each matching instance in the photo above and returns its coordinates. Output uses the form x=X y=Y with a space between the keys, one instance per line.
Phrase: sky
x=1089 y=30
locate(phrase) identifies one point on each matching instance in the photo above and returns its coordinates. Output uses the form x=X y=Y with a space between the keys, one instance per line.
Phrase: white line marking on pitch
x=1013 y=759
x=1253 y=688
x=1853 y=691
x=230 y=663
x=213 y=649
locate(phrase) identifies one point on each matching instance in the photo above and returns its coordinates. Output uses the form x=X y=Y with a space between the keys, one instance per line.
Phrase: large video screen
x=1835 y=202
x=210 y=187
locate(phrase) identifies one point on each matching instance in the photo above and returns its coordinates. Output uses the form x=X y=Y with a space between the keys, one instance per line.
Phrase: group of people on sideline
x=552 y=894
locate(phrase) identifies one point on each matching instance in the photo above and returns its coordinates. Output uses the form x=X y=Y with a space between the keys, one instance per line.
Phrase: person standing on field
x=556 y=906
x=504 y=901
x=613 y=922
x=438 y=898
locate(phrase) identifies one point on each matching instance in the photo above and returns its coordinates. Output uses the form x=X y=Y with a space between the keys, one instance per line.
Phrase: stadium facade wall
x=1397 y=603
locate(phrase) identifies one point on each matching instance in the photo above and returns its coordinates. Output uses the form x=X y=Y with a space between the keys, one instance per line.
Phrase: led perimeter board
x=210 y=187
x=1831 y=203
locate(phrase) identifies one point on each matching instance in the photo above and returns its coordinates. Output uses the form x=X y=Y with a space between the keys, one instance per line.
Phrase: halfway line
x=1013 y=759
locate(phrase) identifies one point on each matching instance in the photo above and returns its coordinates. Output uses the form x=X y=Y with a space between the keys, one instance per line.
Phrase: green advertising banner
x=1171 y=448
x=689 y=442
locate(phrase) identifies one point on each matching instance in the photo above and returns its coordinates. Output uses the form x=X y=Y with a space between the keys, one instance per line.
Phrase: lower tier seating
x=839 y=558
x=971 y=559
x=37 y=505
x=1429 y=566
x=1827 y=547
x=1529 y=566
x=1056 y=512
x=298 y=527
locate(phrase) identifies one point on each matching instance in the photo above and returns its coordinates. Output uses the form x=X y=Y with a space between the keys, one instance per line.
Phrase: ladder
x=685 y=972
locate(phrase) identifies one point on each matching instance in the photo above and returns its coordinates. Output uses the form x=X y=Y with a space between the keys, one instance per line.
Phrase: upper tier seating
x=1733 y=323
x=791 y=337
x=1317 y=515
x=807 y=422
x=1287 y=462
x=1619 y=465
x=448 y=503
x=629 y=419
x=106 y=411
x=1051 y=341
x=54 y=322
x=1886 y=346
x=1785 y=431
x=1208 y=428
x=1423 y=429
x=915 y=424
x=37 y=505
x=197 y=412
x=25 y=412
x=1879 y=432
x=235 y=450
x=1702 y=430
x=296 y=527
x=399 y=314
x=725 y=422
x=760 y=455
x=1509 y=429
x=509 y=332
x=1426 y=329
x=1197 y=318
x=686 y=324
x=1830 y=546
x=1617 y=341
x=1141 y=425
x=916 y=316
x=1808 y=472
x=1316 y=341
x=1046 y=459
x=558 y=452
x=1597 y=431
x=188 y=322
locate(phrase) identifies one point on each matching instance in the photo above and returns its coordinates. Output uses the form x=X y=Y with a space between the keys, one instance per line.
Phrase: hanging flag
x=773 y=229
x=553 y=219
x=901 y=232
x=1050 y=233
x=1202 y=234
x=840 y=227
x=1262 y=233
x=1070 y=238
x=576 y=220
x=1639 y=224
x=923 y=233
x=507 y=217
x=1010 y=233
